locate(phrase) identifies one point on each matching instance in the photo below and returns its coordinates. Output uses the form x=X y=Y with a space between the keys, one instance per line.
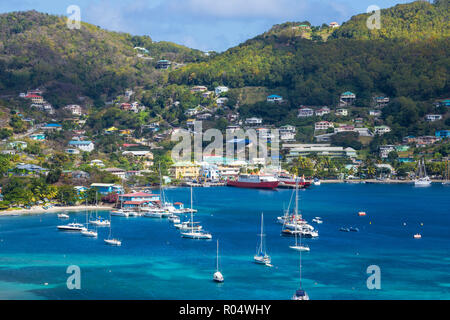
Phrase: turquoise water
x=154 y=262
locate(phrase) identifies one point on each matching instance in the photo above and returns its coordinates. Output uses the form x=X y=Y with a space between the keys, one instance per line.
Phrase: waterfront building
x=106 y=188
x=185 y=170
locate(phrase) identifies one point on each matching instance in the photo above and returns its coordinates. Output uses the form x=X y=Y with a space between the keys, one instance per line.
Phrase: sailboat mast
x=217 y=256
x=192 y=214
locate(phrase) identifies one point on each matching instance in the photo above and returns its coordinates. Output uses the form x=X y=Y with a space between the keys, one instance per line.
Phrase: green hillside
x=39 y=50
x=315 y=72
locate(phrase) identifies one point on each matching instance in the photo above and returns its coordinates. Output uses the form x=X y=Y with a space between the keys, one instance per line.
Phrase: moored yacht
x=423 y=180
x=261 y=255
x=72 y=227
x=217 y=276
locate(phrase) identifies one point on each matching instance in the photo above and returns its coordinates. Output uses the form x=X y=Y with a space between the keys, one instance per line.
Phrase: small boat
x=300 y=248
x=317 y=220
x=174 y=219
x=89 y=233
x=361 y=213
x=353 y=229
x=343 y=229
x=120 y=213
x=261 y=255
x=316 y=182
x=63 y=216
x=72 y=227
x=217 y=277
x=100 y=222
x=417 y=236
x=113 y=242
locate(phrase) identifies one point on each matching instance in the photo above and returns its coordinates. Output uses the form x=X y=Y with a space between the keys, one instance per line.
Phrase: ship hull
x=254 y=185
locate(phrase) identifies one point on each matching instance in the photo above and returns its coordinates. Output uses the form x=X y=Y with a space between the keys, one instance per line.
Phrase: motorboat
x=72 y=227
x=354 y=229
x=63 y=216
x=343 y=229
x=89 y=233
x=120 y=213
x=417 y=236
x=361 y=213
x=193 y=234
x=317 y=220
x=113 y=242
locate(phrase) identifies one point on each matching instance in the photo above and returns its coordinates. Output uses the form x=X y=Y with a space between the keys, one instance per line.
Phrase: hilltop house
x=323 y=125
x=433 y=117
x=34 y=98
x=163 y=64
x=86 y=146
x=253 y=121
x=322 y=111
x=274 y=98
x=74 y=109
x=347 y=99
x=305 y=112
x=342 y=112
x=379 y=130
x=220 y=89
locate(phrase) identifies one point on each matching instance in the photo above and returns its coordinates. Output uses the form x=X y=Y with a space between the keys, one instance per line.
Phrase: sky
x=201 y=24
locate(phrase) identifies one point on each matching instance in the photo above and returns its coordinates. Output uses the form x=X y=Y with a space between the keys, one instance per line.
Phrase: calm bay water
x=154 y=262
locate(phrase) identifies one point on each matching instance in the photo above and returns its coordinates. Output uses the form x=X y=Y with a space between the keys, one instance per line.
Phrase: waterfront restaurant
x=138 y=199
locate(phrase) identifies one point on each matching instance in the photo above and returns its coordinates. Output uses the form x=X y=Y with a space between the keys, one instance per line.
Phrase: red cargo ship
x=254 y=182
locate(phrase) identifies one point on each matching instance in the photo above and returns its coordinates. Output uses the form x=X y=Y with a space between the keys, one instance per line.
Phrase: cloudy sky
x=201 y=24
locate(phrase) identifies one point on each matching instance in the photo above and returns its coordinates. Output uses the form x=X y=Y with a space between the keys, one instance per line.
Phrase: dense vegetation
x=38 y=50
x=316 y=72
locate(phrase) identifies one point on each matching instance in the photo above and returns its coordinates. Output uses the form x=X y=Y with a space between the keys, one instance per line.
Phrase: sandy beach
x=40 y=210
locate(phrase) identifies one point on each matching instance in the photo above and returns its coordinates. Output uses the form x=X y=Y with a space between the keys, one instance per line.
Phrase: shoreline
x=40 y=210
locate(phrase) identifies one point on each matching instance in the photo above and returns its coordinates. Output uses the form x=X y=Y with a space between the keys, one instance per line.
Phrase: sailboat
x=297 y=247
x=195 y=232
x=112 y=241
x=218 y=277
x=446 y=174
x=423 y=180
x=261 y=255
x=300 y=294
x=87 y=232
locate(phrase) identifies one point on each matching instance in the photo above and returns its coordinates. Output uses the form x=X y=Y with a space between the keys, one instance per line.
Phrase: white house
x=305 y=112
x=86 y=146
x=433 y=117
x=385 y=150
x=274 y=98
x=342 y=112
x=220 y=89
x=323 y=125
x=382 y=130
x=74 y=109
x=322 y=111
x=375 y=113
x=253 y=121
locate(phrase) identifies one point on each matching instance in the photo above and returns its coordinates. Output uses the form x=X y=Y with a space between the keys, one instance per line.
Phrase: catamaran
x=110 y=240
x=261 y=255
x=423 y=180
x=192 y=232
x=300 y=294
x=218 y=277
x=297 y=246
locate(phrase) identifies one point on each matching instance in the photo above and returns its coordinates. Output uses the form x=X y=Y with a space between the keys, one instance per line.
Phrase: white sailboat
x=112 y=241
x=261 y=255
x=87 y=232
x=195 y=232
x=100 y=222
x=423 y=180
x=298 y=246
x=218 y=277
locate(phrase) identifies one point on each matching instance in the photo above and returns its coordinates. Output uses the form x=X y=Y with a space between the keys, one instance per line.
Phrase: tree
x=67 y=195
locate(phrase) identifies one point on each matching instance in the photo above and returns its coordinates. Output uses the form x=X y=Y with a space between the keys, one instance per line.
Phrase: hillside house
x=347 y=99
x=163 y=64
x=305 y=112
x=220 y=89
x=86 y=146
x=433 y=117
x=322 y=111
x=253 y=121
x=274 y=98
x=380 y=130
x=323 y=125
